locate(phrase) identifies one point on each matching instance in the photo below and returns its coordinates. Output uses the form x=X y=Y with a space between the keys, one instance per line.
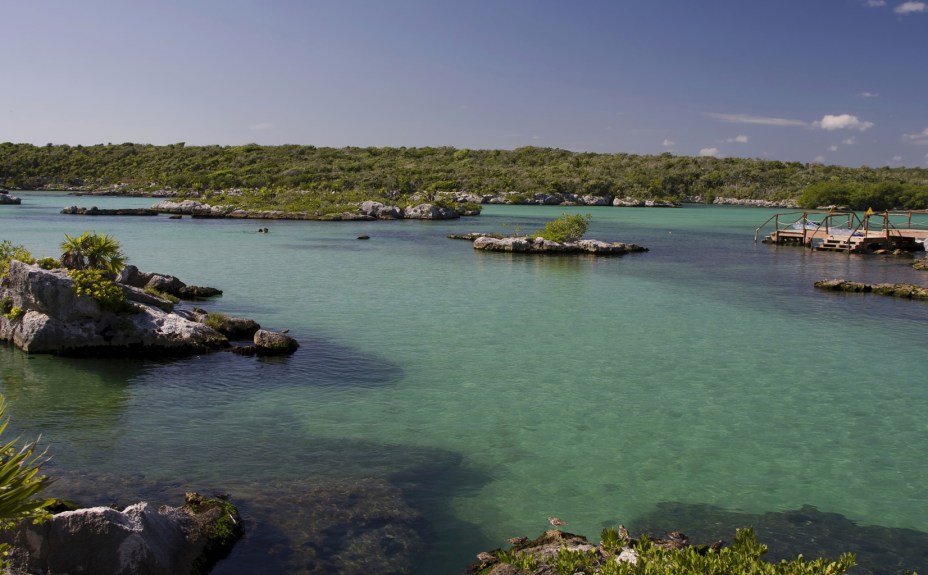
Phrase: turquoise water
x=706 y=371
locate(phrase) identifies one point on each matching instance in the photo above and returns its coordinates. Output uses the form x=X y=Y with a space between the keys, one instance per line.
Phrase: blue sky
x=834 y=81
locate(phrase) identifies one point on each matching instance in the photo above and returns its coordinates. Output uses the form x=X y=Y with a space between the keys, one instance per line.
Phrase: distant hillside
x=403 y=171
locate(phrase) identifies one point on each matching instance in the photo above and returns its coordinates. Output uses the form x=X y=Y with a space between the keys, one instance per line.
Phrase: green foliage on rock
x=9 y=251
x=215 y=320
x=20 y=482
x=91 y=250
x=94 y=283
x=744 y=556
x=567 y=228
x=48 y=263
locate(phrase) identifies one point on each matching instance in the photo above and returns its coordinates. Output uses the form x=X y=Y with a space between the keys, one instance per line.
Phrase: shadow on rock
x=813 y=533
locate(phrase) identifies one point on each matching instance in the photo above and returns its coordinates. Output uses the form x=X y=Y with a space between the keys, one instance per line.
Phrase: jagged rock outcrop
x=131 y=276
x=274 y=343
x=921 y=264
x=6 y=198
x=381 y=211
x=141 y=539
x=54 y=319
x=429 y=212
x=232 y=327
x=529 y=245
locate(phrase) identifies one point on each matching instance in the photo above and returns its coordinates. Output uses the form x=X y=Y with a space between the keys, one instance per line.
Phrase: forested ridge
x=393 y=172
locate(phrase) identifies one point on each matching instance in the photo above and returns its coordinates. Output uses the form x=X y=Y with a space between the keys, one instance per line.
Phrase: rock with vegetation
x=921 y=264
x=95 y=211
x=85 y=313
x=908 y=291
x=541 y=246
x=559 y=553
x=381 y=211
x=430 y=212
x=137 y=539
x=163 y=284
x=232 y=327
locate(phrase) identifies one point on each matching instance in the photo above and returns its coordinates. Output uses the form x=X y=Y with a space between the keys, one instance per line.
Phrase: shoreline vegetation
x=306 y=182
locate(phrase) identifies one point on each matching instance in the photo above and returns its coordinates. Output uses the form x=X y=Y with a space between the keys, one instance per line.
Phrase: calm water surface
x=496 y=390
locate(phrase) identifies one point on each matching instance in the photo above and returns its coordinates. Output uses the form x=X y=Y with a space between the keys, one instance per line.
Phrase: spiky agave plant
x=20 y=482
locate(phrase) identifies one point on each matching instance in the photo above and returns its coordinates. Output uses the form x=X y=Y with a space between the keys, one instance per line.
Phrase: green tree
x=91 y=250
x=567 y=228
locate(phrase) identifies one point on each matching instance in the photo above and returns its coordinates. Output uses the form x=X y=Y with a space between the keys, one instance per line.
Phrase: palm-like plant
x=19 y=482
x=92 y=250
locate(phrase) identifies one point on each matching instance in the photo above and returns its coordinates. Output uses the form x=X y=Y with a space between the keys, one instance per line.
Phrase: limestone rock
x=141 y=539
x=381 y=211
x=7 y=199
x=429 y=212
x=274 y=343
x=57 y=320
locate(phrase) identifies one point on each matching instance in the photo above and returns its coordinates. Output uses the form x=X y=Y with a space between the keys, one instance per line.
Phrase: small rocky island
x=9 y=199
x=540 y=245
x=906 y=291
x=90 y=303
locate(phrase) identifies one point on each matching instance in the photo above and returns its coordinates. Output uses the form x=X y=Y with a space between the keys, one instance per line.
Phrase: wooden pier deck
x=848 y=231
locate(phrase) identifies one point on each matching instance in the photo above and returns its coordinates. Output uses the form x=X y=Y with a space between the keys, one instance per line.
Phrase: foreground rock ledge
x=909 y=291
x=138 y=539
x=537 y=245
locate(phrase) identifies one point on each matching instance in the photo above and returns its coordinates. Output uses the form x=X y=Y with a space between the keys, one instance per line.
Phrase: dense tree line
x=401 y=171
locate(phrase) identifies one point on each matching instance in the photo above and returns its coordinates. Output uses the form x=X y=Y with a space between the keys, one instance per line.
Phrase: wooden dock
x=849 y=231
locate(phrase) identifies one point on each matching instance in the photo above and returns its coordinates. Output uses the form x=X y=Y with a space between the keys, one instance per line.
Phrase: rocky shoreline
x=907 y=291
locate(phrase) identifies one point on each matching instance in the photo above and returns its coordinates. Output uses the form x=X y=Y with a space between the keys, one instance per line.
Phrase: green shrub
x=8 y=252
x=6 y=304
x=567 y=228
x=162 y=294
x=94 y=283
x=215 y=320
x=48 y=263
x=92 y=250
x=14 y=313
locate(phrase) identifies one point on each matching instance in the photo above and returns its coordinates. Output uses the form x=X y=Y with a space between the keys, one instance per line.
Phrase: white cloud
x=709 y=152
x=818 y=160
x=261 y=127
x=897 y=158
x=867 y=95
x=850 y=141
x=876 y=3
x=919 y=138
x=667 y=143
x=737 y=140
x=832 y=148
x=910 y=7
x=749 y=119
x=842 y=122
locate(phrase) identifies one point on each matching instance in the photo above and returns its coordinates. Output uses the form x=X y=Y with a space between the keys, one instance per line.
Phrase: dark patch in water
x=813 y=533
x=363 y=517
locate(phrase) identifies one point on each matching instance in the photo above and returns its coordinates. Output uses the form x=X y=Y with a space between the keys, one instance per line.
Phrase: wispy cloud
x=833 y=148
x=842 y=122
x=668 y=143
x=818 y=160
x=910 y=7
x=868 y=95
x=749 y=119
x=737 y=140
x=919 y=138
x=261 y=127
x=850 y=141
x=709 y=152
x=876 y=3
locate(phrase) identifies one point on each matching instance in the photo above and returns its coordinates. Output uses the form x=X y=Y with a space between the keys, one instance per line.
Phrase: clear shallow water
x=499 y=390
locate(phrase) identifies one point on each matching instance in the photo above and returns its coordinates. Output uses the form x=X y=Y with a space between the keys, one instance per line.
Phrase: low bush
x=94 y=283
x=567 y=228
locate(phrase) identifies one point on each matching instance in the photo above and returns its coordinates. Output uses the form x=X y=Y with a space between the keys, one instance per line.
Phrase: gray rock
x=502 y=244
x=139 y=540
x=57 y=320
x=274 y=343
x=429 y=212
x=381 y=211
x=7 y=199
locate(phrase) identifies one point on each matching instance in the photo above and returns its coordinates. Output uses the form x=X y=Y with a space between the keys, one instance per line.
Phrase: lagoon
x=495 y=390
